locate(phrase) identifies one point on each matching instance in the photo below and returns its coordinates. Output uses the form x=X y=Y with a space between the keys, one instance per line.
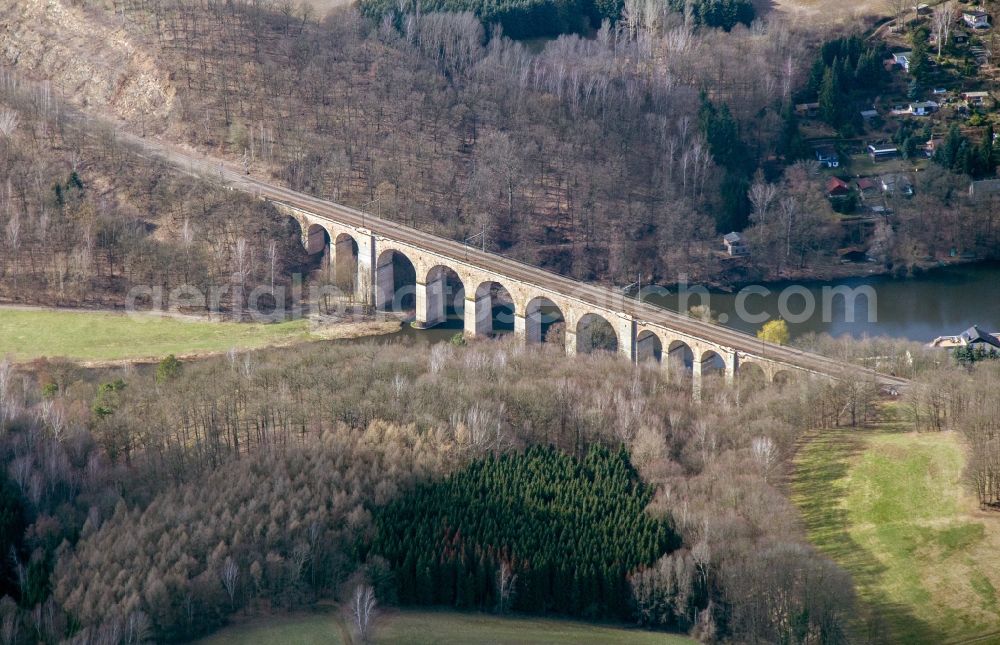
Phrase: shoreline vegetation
x=846 y=272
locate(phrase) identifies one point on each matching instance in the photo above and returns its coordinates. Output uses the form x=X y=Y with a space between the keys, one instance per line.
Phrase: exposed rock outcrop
x=92 y=61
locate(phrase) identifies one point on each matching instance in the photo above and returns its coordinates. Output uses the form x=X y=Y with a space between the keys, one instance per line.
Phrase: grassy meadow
x=27 y=333
x=890 y=507
x=432 y=627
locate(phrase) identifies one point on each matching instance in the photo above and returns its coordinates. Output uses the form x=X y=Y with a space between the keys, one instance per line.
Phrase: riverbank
x=100 y=338
x=943 y=301
x=841 y=272
x=938 y=301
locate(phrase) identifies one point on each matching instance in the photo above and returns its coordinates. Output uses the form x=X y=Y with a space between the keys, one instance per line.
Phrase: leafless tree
x=136 y=629
x=501 y=165
x=242 y=267
x=272 y=258
x=8 y=628
x=765 y=453
x=944 y=16
x=788 y=209
x=506 y=586
x=13 y=231
x=7 y=409
x=54 y=418
x=8 y=122
x=363 y=610
x=701 y=553
x=899 y=9
x=762 y=196
x=230 y=575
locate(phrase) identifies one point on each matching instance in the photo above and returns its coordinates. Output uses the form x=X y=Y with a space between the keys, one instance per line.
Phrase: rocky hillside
x=93 y=62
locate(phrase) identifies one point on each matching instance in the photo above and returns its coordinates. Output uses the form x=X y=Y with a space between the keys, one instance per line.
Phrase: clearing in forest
x=826 y=13
x=891 y=508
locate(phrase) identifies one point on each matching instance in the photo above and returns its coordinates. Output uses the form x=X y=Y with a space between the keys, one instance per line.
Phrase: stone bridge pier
x=348 y=252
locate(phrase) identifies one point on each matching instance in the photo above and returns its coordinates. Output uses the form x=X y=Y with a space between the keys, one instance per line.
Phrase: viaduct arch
x=355 y=240
x=366 y=265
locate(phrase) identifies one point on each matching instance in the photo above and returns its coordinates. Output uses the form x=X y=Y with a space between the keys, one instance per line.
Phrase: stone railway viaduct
x=362 y=250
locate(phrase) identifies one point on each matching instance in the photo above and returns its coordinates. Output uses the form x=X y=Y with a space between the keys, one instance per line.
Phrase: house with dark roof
x=896 y=184
x=827 y=156
x=974 y=336
x=976 y=98
x=984 y=190
x=880 y=152
x=976 y=18
x=807 y=109
x=922 y=108
x=867 y=188
x=734 y=244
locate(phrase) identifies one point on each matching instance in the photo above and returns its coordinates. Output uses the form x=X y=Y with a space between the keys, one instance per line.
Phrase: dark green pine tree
x=947 y=154
x=446 y=581
x=736 y=206
x=425 y=583
x=408 y=579
x=13 y=521
x=570 y=530
x=831 y=98
x=986 y=158
x=965 y=160
x=466 y=590
x=816 y=73
x=845 y=74
x=920 y=67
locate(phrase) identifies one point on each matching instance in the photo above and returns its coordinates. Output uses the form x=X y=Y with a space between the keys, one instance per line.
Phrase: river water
x=942 y=301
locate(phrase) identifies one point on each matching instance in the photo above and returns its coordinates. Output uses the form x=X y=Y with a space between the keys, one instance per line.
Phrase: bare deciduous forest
x=603 y=158
x=157 y=503
x=140 y=490
x=84 y=217
x=596 y=157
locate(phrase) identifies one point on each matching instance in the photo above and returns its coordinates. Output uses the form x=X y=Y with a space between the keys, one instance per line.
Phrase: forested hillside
x=588 y=157
x=157 y=503
x=83 y=217
x=624 y=153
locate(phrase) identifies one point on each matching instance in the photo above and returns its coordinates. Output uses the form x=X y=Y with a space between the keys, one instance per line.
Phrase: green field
x=312 y=629
x=96 y=336
x=891 y=508
x=430 y=627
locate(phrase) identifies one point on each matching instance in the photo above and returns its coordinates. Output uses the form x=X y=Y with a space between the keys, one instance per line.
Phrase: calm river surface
x=943 y=301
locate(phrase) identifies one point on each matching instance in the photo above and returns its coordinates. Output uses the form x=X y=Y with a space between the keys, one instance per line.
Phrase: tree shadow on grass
x=819 y=489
